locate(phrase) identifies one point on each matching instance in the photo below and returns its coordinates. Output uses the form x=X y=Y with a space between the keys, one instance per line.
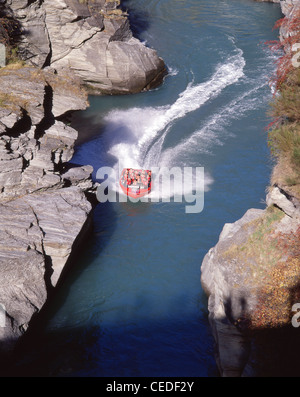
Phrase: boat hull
x=140 y=193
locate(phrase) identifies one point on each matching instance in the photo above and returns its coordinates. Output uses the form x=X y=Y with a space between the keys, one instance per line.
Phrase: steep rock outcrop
x=34 y=144
x=235 y=273
x=92 y=38
x=43 y=203
x=230 y=284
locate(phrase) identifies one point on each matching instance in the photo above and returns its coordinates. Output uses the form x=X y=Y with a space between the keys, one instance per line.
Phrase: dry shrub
x=284 y=63
x=281 y=285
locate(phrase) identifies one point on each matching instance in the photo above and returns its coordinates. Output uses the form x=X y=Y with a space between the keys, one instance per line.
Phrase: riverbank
x=252 y=275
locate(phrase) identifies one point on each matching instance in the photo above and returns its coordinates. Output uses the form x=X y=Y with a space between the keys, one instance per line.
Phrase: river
x=133 y=304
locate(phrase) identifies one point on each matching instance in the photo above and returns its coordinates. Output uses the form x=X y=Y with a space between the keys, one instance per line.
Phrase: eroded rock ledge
x=92 y=38
x=43 y=202
x=240 y=276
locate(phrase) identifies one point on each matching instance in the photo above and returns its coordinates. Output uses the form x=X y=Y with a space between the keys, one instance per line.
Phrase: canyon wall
x=44 y=203
x=250 y=281
x=66 y=49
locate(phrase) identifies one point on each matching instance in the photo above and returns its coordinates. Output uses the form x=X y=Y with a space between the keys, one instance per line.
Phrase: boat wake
x=144 y=129
x=143 y=137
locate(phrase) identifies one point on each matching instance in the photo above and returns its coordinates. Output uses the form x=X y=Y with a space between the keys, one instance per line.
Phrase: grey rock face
x=277 y=197
x=23 y=292
x=37 y=232
x=92 y=38
x=2 y=55
x=34 y=43
x=232 y=279
x=33 y=144
x=288 y=6
x=79 y=176
x=226 y=282
x=42 y=212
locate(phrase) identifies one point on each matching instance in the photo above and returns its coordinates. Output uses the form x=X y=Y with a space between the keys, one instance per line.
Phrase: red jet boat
x=135 y=183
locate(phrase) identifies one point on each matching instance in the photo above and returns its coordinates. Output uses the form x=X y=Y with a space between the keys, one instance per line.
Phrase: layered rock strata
x=92 y=38
x=43 y=204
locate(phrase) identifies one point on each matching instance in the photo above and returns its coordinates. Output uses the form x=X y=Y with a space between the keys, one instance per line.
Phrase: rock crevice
x=43 y=208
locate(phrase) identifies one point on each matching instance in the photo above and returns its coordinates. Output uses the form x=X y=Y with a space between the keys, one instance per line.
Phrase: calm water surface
x=133 y=303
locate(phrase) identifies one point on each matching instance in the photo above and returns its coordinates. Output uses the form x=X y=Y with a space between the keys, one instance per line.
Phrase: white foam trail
x=201 y=140
x=172 y=71
x=195 y=96
x=145 y=123
x=140 y=126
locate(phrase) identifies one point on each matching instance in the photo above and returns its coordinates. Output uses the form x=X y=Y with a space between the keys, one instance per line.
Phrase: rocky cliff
x=44 y=206
x=251 y=276
x=45 y=202
x=90 y=37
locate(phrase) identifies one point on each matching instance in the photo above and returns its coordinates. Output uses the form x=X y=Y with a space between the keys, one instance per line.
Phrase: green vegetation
x=278 y=254
x=281 y=285
x=288 y=102
x=260 y=252
x=10 y=31
x=273 y=259
x=12 y=56
x=285 y=141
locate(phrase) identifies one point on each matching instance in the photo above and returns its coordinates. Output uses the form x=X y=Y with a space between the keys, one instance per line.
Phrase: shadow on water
x=138 y=19
x=277 y=350
x=144 y=345
x=88 y=127
x=119 y=351
x=36 y=339
x=266 y=351
x=135 y=350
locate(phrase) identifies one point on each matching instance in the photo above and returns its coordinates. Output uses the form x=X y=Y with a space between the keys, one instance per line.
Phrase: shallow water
x=133 y=303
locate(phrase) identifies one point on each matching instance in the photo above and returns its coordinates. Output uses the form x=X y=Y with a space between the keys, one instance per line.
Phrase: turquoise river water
x=132 y=304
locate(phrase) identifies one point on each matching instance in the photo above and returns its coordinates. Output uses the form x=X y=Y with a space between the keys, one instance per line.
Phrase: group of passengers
x=140 y=178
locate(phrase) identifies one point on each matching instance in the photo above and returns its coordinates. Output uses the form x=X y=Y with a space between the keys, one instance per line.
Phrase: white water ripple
x=144 y=124
x=144 y=129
